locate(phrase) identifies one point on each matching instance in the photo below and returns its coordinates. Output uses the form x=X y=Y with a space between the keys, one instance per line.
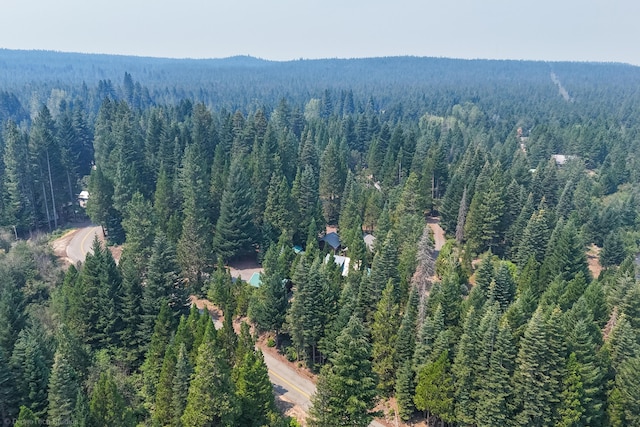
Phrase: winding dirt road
x=438 y=233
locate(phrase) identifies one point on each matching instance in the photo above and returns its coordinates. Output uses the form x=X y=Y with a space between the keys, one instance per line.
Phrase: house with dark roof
x=333 y=240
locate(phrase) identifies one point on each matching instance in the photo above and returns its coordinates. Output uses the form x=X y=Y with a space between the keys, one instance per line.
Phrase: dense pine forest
x=529 y=315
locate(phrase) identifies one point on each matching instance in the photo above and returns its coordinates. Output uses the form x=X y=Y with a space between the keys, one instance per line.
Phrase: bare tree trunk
x=433 y=186
x=46 y=204
x=53 y=199
x=30 y=190
x=425 y=270
x=71 y=198
x=396 y=415
x=462 y=217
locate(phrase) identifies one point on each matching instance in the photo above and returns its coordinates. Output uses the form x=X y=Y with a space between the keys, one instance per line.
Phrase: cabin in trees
x=333 y=240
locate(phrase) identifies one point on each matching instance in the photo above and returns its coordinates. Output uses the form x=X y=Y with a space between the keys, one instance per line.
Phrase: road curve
x=291 y=386
x=80 y=243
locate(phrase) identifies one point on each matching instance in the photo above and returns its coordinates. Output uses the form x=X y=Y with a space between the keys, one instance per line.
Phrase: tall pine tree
x=211 y=400
x=235 y=236
x=346 y=391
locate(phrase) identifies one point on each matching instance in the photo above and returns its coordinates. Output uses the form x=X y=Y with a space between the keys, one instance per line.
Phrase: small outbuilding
x=82 y=198
x=341 y=261
x=562 y=159
x=255 y=280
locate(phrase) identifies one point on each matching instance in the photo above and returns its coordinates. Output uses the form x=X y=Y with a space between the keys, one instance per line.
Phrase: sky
x=552 y=30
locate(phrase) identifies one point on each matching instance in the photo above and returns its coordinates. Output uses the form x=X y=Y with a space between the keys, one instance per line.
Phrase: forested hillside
x=191 y=165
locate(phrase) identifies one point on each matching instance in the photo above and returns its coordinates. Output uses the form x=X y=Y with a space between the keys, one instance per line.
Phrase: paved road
x=80 y=243
x=291 y=386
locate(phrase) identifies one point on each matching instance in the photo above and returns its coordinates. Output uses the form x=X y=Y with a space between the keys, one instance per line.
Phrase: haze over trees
x=191 y=165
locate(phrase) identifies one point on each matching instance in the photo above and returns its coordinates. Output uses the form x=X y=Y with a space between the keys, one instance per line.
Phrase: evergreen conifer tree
x=406 y=343
x=194 y=253
x=312 y=320
x=296 y=310
x=431 y=328
x=434 y=389
x=211 y=399
x=513 y=236
x=138 y=225
x=383 y=269
x=346 y=391
x=627 y=386
x=404 y=390
x=254 y=391
x=235 y=236
x=566 y=255
x=269 y=302
x=64 y=385
x=494 y=387
x=12 y=317
x=450 y=298
x=464 y=370
x=31 y=369
x=162 y=285
x=155 y=354
x=529 y=281
x=109 y=293
x=26 y=418
x=533 y=242
x=503 y=288
x=20 y=198
x=180 y=385
x=571 y=406
x=613 y=250
x=331 y=182
x=347 y=304
x=384 y=334
x=485 y=273
x=164 y=202
x=278 y=215
x=483 y=227
x=305 y=195
x=539 y=371
x=80 y=415
x=47 y=166
x=8 y=398
x=573 y=291
x=107 y=405
x=88 y=302
x=162 y=414
x=131 y=336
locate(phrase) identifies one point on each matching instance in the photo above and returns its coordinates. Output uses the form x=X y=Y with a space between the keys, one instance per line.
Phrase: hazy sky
x=586 y=30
